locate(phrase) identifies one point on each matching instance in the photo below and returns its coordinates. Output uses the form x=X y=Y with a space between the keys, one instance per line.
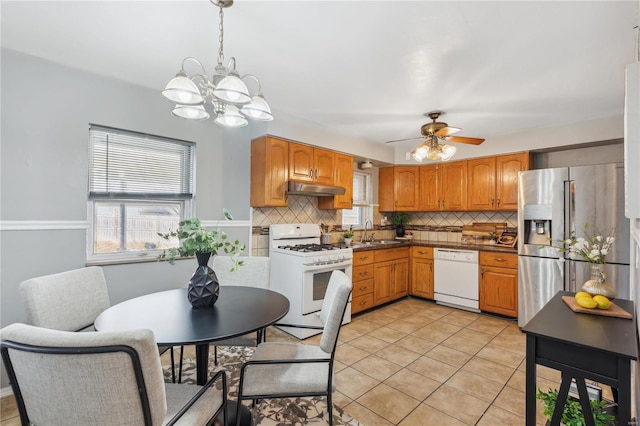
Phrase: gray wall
x=46 y=110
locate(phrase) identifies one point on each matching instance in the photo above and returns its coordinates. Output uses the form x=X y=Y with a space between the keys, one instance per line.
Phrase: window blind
x=124 y=164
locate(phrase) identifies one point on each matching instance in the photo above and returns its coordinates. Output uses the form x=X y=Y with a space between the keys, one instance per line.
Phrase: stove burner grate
x=306 y=248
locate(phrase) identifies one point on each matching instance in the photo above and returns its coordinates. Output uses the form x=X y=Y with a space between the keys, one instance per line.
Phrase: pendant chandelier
x=434 y=151
x=226 y=90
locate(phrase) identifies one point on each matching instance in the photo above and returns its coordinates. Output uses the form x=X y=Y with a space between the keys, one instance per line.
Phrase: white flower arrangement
x=593 y=249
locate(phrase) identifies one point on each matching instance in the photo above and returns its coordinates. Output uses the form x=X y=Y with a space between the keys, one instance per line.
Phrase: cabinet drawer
x=391 y=254
x=363 y=272
x=502 y=260
x=362 y=258
x=422 y=252
x=363 y=287
x=361 y=303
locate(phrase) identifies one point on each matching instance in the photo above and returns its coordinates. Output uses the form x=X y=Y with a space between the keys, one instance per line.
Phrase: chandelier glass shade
x=434 y=151
x=226 y=90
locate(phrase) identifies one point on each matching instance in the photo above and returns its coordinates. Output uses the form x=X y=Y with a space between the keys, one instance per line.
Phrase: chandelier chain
x=221 y=37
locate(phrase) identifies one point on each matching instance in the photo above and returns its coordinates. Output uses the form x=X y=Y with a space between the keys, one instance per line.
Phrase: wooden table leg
x=202 y=363
x=530 y=394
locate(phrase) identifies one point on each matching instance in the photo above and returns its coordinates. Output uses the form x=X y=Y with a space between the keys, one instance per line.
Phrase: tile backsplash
x=436 y=226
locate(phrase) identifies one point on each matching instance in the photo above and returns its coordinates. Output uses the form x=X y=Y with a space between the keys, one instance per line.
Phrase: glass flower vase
x=597 y=283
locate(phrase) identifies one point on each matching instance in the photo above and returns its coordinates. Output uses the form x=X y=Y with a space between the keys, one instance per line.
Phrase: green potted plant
x=572 y=414
x=194 y=240
x=348 y=235
x=400 y=220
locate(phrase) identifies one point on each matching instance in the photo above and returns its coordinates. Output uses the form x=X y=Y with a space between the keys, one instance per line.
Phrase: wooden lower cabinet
x=422 y=272
x=362 y=278
x=499 y=283
x=390 y=274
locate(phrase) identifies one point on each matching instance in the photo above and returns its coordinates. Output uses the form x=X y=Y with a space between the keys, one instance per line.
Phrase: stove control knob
x=321 y=259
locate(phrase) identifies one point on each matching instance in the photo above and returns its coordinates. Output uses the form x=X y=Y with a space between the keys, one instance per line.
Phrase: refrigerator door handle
x=570 y=274
x=570 y=205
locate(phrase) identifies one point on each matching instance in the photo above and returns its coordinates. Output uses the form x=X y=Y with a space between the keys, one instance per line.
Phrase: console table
x=581 y=346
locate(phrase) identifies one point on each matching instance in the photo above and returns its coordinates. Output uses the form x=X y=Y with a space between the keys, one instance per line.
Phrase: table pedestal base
x=245 y=415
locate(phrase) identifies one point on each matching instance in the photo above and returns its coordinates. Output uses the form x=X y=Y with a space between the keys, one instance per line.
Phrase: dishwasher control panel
x=469 y=256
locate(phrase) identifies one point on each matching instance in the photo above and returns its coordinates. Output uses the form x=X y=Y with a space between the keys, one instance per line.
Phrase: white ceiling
x=369 y=69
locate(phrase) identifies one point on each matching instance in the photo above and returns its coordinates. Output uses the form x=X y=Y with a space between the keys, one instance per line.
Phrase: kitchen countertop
x=438 y=244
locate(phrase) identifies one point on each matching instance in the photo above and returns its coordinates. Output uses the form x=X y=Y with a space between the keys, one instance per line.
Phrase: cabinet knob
x=498 y=202
x=500 y=259
x=363 y=288
x=492 y=202
x=364 y=302
x=422 y=252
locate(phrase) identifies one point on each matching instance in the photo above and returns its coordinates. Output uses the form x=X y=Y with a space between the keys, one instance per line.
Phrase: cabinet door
x=507 y=168
x=386 y=192
x=269 y=172
x=382 y=276
x=429 y=196
x=499 y=290
x=400 y=280
x=422 y=278
x=406 y=188
x=343 y=176
x=454 y=185
x=323 y=166
x=300 y=162
x=481 y=186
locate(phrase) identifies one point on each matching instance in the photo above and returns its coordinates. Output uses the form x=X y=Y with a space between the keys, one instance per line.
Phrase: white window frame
x=364 y=205
x=99 y=192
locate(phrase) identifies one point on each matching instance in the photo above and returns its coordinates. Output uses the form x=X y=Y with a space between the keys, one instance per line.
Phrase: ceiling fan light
x=257 y=109
x=232 y=90
x=182 y=90
x=231 y=118
x=447 y=152
x=190 y=112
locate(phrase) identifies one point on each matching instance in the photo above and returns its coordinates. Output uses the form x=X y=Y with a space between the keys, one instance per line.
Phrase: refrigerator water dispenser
x=537 y=224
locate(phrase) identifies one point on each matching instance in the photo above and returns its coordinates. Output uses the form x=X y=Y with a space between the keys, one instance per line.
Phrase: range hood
x=297 y=187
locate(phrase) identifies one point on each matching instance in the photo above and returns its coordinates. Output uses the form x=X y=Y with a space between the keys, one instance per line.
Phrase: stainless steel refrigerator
x=554 y=204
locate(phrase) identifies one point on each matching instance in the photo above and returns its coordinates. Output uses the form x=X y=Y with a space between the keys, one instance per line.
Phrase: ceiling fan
x=434 y=131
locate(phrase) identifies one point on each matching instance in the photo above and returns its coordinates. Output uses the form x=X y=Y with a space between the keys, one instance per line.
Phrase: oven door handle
x=328 y=266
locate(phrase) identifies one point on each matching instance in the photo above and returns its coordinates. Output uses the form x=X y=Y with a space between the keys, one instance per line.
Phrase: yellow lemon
x=582 y=294
x=602 y=301
x=587 y=302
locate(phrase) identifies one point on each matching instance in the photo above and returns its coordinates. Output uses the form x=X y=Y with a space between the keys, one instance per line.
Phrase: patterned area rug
x=270 y=412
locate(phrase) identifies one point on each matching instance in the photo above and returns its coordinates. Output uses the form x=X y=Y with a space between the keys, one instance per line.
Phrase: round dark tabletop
x=238 y=311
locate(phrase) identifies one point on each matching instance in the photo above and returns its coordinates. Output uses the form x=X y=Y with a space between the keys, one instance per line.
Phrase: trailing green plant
x=400 y=219
x=572 y=414
x=193 y=238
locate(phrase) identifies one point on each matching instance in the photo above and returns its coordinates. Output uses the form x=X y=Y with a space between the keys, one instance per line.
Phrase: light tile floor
x=417 y=363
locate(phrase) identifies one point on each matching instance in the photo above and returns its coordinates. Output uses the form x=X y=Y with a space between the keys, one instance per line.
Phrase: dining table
x=239 y=310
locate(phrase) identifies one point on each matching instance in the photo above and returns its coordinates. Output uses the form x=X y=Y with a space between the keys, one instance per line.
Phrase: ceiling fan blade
x=462 y=139
x=446 y=131
x=408 y=139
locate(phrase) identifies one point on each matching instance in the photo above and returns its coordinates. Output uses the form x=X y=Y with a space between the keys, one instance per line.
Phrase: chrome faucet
x=365 y=238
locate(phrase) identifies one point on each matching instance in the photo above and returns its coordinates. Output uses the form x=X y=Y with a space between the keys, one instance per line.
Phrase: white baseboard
x=6 y=392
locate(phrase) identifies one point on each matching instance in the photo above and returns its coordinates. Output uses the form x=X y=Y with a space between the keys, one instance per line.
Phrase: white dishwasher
x=456 y=278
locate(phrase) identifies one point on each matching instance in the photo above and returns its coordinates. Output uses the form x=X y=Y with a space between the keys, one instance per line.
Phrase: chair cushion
x=200 y=413
x=290 y=379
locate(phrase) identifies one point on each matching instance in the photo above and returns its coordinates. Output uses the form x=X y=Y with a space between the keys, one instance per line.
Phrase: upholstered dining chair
x=254 y=272
x=278 y=370
x=69 y=301
x=106 y=378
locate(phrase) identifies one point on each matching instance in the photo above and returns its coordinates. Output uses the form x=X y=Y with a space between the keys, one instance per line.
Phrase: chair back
x=333 y=308
x=254 y=271
x=68 y=378
x=68 y=301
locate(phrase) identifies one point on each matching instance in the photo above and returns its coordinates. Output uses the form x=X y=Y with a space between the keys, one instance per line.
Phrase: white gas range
x=301 y=268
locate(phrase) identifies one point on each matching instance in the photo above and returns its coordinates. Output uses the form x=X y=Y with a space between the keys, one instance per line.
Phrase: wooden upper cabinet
x=481 y=175
x=454 y=185
x=269 y=172
x=342 y=176
x=399 y=188
x=429 y=197
x=507 y=168
x=493 y=181
x=310 y=164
